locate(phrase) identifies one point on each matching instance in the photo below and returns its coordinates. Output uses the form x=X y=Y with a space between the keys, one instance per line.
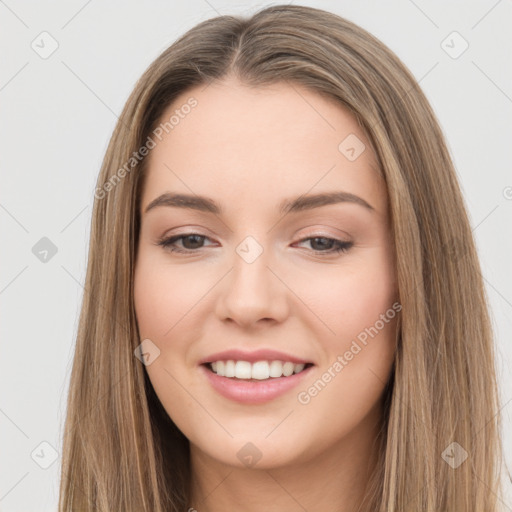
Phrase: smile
x=259 y=370
x=254 y=383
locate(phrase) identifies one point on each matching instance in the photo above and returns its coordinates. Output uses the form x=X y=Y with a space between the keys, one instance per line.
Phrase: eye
x=192 y=240
x=333 y=245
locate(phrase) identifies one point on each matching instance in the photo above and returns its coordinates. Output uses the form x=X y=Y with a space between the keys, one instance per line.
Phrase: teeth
x=259 y=370
x=229 y=369
x=242 y=370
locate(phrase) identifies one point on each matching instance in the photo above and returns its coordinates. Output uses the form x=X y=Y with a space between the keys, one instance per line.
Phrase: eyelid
x=341 y=246
x=189 y=231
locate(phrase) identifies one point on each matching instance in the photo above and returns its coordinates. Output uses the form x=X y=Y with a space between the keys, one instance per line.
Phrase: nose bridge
x=253 y=291
x=251 y=275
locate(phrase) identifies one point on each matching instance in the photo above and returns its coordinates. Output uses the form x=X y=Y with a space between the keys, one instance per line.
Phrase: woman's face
x=314 y=282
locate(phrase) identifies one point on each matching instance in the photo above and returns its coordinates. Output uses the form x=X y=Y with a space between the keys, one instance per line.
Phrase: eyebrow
x=301 y=203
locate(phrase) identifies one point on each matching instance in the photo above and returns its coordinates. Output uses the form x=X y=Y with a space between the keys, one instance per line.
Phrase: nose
x=252 y=294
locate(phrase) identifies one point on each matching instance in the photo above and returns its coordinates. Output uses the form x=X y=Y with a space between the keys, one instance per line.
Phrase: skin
x=248 y=149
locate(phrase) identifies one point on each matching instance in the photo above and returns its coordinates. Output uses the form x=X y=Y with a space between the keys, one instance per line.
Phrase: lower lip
x=253 y=392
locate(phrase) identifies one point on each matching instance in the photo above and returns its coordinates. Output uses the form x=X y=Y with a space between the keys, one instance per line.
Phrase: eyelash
x=167 y=243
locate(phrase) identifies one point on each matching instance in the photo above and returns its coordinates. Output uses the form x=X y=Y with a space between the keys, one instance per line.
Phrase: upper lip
x=252 y=357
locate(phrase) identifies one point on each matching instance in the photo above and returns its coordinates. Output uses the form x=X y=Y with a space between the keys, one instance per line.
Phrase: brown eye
x=190 y=242
x=324 y=245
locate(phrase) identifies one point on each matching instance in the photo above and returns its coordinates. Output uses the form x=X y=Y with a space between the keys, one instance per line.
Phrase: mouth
x=255 y=372
x=254 y=383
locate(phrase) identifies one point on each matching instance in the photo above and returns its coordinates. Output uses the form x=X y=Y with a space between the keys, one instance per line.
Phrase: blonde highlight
x=122 y=452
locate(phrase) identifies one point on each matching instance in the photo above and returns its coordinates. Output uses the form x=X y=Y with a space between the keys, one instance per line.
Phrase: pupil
x=197 y=239
x=322 y=245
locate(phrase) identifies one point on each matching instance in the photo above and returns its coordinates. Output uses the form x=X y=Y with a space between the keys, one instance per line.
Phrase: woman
x=284 y=306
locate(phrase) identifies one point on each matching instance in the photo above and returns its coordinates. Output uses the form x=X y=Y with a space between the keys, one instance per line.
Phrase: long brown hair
x=121 y=450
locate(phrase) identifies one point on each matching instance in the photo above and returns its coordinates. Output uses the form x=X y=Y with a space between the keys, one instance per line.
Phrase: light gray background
x=58 y=113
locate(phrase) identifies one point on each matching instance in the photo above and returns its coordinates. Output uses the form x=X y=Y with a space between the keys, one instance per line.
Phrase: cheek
x=361 y=311
x=354 y=298
x=363 y=303
x=162 y=298
x=358 y=358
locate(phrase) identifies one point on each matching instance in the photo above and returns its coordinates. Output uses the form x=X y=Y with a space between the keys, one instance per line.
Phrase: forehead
x=255 y=146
